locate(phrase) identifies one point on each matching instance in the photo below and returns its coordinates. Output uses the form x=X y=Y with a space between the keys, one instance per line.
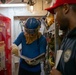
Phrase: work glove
x=15 y=50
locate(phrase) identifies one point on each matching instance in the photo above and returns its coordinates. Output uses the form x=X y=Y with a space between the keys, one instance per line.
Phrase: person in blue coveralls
x=33 y=44
x=65 y=18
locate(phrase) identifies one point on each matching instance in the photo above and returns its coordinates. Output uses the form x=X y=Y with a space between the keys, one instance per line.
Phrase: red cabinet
x=5 y=44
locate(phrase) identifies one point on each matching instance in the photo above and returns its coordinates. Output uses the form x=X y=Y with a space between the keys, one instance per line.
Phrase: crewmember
x=65 y=17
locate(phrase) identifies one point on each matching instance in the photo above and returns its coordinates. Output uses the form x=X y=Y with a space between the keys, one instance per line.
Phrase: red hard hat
x=59 y=3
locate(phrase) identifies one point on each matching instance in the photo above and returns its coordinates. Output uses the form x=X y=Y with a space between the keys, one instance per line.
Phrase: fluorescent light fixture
x=13 y=5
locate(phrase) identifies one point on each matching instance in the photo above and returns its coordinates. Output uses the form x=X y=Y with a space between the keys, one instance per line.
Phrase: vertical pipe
x=56 y=38
x=42 y=4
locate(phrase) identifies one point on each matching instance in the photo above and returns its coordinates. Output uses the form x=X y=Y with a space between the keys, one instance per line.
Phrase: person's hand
x=55 y=72
x=15 y=50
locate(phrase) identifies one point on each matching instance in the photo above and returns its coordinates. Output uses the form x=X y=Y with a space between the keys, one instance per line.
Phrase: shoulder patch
x=67 y=55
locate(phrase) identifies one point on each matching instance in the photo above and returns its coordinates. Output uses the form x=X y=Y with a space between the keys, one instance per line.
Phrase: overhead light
x=31 y=5
x=13 y=5
x=31 y=8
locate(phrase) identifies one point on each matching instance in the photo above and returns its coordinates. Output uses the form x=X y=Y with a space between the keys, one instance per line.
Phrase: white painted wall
x=18 y=11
